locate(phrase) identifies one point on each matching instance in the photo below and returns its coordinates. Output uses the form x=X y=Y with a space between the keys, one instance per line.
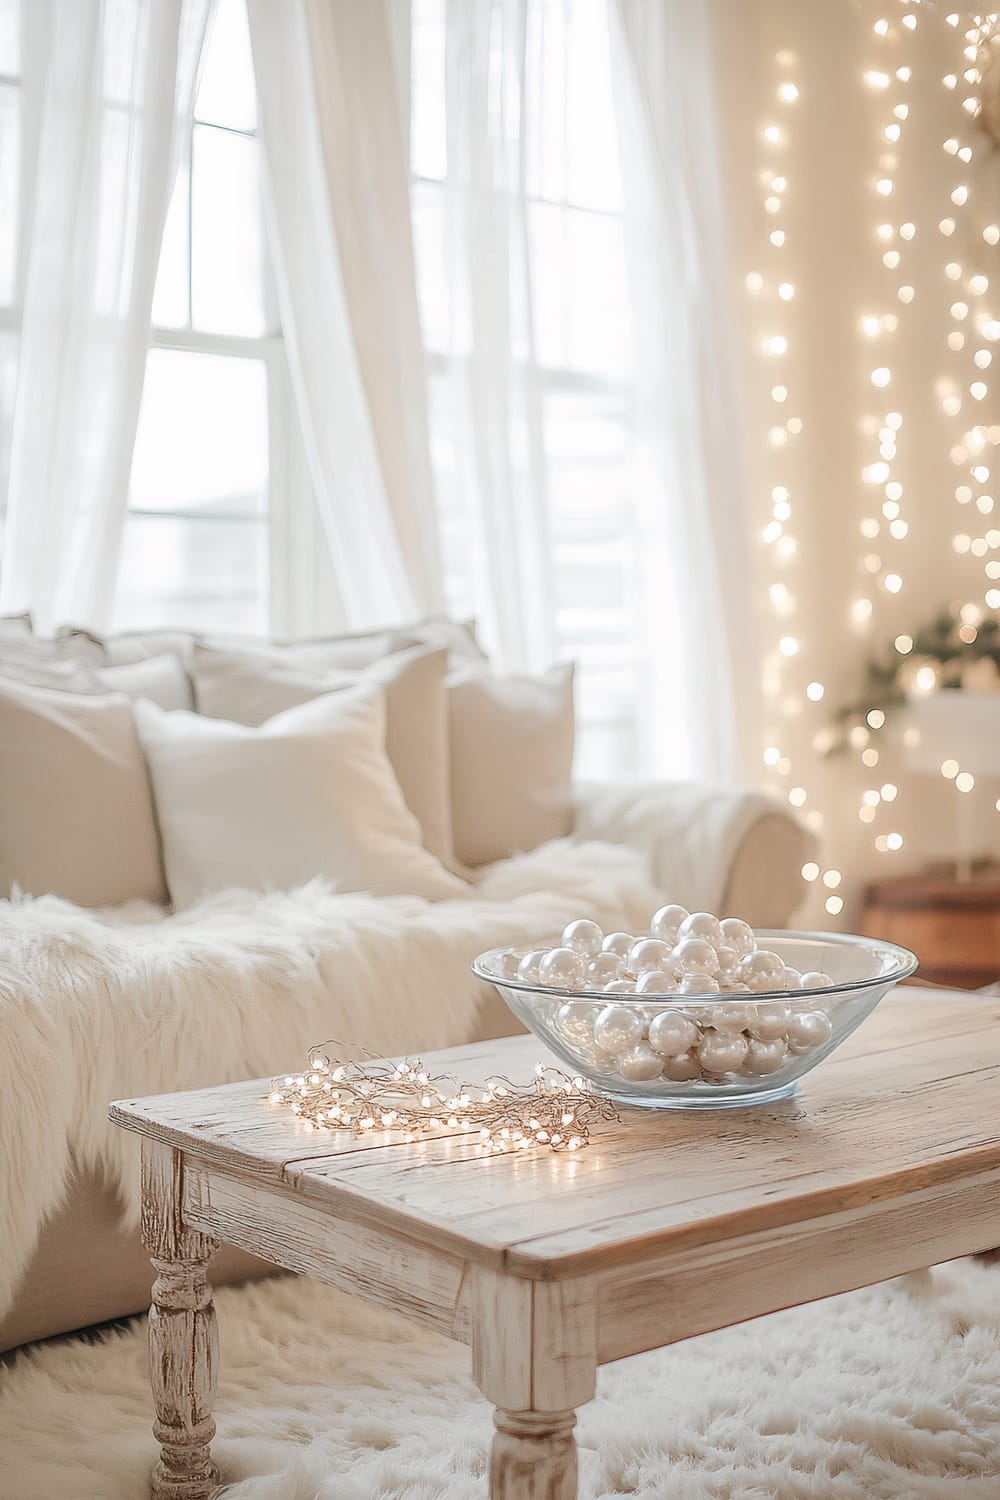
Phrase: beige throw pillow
x=511 y=744
x=76 y=815
x=310 y=792
x=249 y=686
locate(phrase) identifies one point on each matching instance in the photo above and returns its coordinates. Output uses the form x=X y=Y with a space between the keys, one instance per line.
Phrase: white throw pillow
x=161 y=679
x=511 y=749
x=310 y=792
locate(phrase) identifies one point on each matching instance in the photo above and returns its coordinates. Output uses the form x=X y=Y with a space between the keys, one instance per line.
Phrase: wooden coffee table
x=671 y=1224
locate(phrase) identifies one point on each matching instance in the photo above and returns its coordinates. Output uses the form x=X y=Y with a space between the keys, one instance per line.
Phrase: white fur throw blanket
x=691 y=832
x=98 y=1005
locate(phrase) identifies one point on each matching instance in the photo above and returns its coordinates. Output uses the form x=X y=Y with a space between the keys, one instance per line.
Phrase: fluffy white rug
x=102 y=1005
x=887 y=1394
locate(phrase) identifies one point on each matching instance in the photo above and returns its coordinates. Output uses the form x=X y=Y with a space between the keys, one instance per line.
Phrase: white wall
x=832 y=153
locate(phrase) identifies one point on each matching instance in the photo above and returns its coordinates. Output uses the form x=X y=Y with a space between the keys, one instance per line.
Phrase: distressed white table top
x=910 y=1102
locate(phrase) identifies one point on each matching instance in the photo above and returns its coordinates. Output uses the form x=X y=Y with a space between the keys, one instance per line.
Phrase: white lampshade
x=954 y=725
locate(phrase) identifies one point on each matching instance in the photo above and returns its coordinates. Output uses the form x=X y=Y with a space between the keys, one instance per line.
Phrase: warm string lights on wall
x=885 y=526
x=969 y=227
x=967 y=232
x=774 y=285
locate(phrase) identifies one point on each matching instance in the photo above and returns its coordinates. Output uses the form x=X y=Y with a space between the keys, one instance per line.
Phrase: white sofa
x=136 y=999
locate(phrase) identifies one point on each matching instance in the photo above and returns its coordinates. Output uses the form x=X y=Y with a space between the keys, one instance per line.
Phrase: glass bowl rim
x=907 y=964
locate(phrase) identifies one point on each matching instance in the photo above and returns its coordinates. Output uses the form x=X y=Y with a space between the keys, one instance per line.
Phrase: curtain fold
x=339 y=219
x=107 y=95
x=491 y=400
x=688 y=412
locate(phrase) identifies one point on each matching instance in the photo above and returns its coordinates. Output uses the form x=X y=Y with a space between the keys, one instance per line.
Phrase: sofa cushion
x=66 y=663
x=310 y=792
x=251 y=685
x=351 y=650
x=16 y=625
x=161 y=679
x=75 y=664
x=511 y=748
x=76 y=815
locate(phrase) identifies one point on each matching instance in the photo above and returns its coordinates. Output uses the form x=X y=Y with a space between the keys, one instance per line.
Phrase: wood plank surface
x=427 y=1286
x=713 y=1286
x=910 y=1102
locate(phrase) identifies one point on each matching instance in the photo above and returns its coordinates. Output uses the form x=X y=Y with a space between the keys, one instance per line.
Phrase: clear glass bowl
x=716 y=1050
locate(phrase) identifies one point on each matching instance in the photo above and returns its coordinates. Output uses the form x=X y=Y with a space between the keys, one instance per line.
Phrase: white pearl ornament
x=769 y=1022
x=647 y=955
x=620 y=943
x=722 y=1052
x=617 y=1028
x=764 y=1058
x=702 y=924
x=666 y=923
x=698 y=984
x=808 y=1030
x=815 y=979
x=575 y=1020
x=728 y=961
x=729 y=1017
x=528 y=968
x=683 y=1069
x=695 y=956
x=655 y=982
x=583 y=937
x=603 y=967
x=562 y=969
x=640 y=1064
x=671 y=1033
x=762 y=970
x=738 y=935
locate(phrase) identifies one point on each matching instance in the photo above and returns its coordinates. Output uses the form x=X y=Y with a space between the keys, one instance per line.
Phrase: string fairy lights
x=373 y=1095
x=775 y=287
x=934 y=262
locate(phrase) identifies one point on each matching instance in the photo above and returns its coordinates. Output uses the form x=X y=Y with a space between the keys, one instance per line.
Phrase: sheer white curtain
x=490 y=397
x=332 y=127
x=107 y=92
x=689 y=462
x=579 y=351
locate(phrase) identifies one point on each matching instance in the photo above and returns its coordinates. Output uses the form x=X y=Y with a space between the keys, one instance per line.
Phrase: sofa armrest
x=733 y=852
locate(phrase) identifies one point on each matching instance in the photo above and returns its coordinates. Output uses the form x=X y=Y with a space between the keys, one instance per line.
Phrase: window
x=196 y=543
x=196 y=546
x=577 y=362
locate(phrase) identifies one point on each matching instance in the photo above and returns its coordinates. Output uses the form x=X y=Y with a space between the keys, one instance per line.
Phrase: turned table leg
x=533 y=1456
x=183 y=1335
x=534 y=1356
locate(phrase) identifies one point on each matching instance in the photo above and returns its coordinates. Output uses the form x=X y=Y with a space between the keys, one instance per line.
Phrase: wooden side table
x=952 y=926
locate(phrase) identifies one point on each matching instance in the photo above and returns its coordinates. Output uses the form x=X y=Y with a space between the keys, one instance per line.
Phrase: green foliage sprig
x=957 y=663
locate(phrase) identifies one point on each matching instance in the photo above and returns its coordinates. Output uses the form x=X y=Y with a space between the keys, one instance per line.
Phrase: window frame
x=267 y=347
